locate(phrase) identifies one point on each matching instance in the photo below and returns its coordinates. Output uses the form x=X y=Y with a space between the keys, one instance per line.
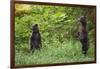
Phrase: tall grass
x=53 y=52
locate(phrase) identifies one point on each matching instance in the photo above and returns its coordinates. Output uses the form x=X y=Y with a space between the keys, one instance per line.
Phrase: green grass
x=55 y=52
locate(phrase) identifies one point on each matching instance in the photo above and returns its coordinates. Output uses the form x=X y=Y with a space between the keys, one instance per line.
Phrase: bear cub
x=83 y=34
x=35 y=40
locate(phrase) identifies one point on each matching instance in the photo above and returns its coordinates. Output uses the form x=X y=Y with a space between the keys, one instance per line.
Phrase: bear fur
x=83 y=34
x=35 y=39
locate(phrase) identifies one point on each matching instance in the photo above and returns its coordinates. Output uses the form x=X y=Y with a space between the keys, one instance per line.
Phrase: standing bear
x=35 y=40
x=83 y=34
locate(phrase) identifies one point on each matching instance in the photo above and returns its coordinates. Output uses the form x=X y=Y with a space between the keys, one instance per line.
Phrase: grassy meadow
x=51 y=53
x=57 y=25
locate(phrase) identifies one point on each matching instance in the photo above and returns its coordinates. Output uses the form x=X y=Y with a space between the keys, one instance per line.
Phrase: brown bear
x=83 y=34
x=35 y=40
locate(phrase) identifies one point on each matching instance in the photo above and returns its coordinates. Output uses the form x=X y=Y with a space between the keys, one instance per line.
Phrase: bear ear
x=82 y=18
x=36 y=25
x=85 y=18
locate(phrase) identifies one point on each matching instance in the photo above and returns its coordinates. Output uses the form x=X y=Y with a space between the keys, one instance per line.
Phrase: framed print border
x=12 y=37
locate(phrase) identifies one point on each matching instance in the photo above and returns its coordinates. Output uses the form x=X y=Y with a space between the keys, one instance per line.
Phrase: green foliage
x=57 y=25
